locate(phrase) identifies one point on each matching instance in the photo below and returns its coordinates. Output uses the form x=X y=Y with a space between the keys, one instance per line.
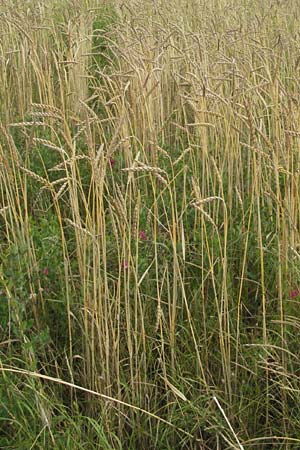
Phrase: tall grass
x=149 y=200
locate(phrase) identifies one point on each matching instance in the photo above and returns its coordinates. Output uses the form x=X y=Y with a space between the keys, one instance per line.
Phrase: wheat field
x=150 y=224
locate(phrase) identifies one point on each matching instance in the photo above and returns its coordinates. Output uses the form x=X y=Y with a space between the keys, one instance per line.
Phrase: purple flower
x=294 y=293
x=112 y=162
x=143 y=235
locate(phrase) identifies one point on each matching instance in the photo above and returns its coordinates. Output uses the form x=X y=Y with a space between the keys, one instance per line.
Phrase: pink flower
x=45 y=271
x=112 y=162
x=125 y=264
x=143 y=235
x=294 y=294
